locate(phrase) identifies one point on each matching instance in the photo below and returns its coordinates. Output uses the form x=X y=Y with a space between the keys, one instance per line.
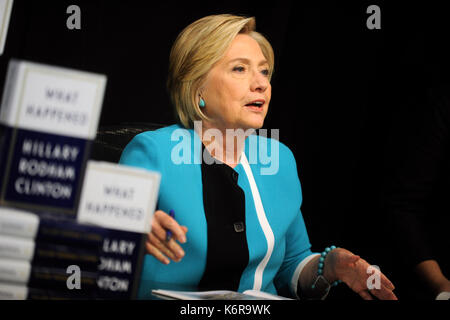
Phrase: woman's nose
x=259 y=82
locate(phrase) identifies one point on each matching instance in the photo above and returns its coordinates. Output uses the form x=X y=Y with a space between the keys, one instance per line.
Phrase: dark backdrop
x=340 y=90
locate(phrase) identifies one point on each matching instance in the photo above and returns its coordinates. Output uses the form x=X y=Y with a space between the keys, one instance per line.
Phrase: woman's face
x=237 y=90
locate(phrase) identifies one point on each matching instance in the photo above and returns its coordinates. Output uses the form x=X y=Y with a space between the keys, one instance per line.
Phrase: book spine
x=18 y=223
x=16 y=248
x=13 y=292
x=44 y=277
x=23 y=292
x=70 y=233
x=15 y=271
x=48 y=229
x=10 y=291
x=50 y=294
x=23 y=273
x=11 y=82
x=5 y=145
x=61 y=256
x=49 y=254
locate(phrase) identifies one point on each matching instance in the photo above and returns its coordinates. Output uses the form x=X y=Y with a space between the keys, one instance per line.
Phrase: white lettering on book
x=43 y=169
x=116 y=211
x=61 y=95
x=119 y=192
x=50 y=151
x=52 y=113
x=118 y=246
x=54 y=190
x=115 y=265
x=112 y=283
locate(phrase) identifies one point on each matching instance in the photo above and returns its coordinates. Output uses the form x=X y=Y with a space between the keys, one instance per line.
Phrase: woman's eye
x=239 y=69
x=265 y=72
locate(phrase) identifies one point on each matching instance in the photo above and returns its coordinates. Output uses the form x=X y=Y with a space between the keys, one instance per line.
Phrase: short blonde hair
x=195 y=51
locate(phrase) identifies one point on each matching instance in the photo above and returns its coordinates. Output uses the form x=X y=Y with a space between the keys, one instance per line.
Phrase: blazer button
x=235 y=176
x=239 y=226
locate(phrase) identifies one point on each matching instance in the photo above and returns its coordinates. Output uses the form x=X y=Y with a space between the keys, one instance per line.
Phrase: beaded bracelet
x=321 y=264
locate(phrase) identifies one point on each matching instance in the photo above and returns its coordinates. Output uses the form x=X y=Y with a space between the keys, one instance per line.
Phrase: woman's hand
x=341 y=264
x=156 y=243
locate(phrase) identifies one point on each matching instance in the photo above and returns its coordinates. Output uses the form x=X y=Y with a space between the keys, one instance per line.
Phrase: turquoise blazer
x=276 y=248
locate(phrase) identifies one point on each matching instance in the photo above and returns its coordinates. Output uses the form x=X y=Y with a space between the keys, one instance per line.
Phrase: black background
x=340 y=92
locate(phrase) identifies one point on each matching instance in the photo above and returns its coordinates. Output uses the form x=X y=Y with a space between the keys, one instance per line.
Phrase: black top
x=417 y=199
x=224 y=203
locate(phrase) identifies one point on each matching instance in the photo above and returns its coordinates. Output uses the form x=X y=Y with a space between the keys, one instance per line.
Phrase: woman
x=245 y=227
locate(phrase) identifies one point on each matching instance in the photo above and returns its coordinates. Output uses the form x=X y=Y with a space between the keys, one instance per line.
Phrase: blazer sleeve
x=298 y=248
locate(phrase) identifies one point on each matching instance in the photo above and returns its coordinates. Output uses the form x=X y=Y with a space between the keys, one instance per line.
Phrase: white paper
x=445 y=295
x=216 y=295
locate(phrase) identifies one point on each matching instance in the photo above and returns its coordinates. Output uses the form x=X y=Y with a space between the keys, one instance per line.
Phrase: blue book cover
x=41 y=171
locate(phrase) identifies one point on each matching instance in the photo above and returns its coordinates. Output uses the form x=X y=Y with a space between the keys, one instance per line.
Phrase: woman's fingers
x=365 y=295
x=384 y=291
x=152 y=250
x=386 y=282
x=355 y=272
x=159 y=231
x=360 y=286
x=158 y=245
x=383 y=294
x=167 y=250
x=162 y=249
x=169 y=223
x=381 y=288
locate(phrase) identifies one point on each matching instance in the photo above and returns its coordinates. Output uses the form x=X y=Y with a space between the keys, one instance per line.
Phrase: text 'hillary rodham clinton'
x=258 y=147
x=228 y=309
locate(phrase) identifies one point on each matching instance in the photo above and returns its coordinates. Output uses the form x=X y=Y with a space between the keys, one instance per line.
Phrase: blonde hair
x=197 y=48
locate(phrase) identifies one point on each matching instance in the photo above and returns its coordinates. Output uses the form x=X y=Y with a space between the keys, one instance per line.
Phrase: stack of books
x=69 y=228
x=48 y=258
x=36 y=256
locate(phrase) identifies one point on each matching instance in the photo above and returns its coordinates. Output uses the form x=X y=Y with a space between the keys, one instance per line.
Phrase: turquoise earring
x=201 y=103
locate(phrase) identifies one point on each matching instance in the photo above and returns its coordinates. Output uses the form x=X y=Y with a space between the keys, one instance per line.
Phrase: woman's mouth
x=256 y=105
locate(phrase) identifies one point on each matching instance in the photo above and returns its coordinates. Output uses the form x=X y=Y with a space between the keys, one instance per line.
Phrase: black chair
x=111 y=140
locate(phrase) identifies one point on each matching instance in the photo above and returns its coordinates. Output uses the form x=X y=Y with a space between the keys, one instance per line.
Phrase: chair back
x=111 y=140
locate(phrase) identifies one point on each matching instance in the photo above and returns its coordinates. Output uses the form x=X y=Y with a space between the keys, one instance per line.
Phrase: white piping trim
x=265 y=226
x=298 y=271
